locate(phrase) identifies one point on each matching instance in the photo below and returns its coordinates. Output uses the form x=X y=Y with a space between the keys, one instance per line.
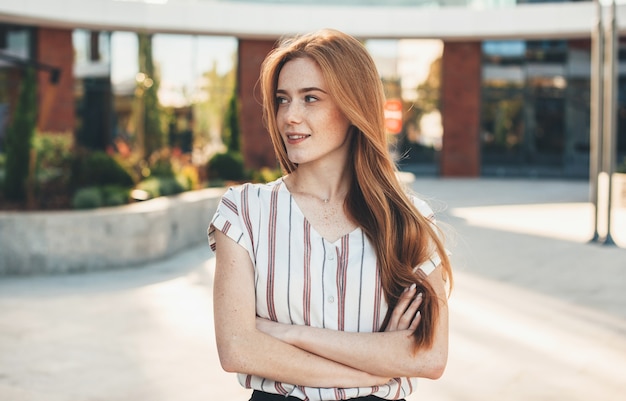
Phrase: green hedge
x=98 y=169
x=227 y=166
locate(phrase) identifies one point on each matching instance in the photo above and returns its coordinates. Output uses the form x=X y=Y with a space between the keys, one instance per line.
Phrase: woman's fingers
x=400 y=308
x=405 y=314
x=416 y=321
x=410 y=318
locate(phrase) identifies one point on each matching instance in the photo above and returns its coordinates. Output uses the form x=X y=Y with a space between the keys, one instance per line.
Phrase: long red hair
x=402 y=237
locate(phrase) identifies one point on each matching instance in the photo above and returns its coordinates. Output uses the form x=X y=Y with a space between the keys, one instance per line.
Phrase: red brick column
x=56 y=101
x=256 y=145
x=460 y=108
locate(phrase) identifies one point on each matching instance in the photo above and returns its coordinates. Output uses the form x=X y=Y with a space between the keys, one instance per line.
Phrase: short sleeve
x=229 y=219
x=435 y=259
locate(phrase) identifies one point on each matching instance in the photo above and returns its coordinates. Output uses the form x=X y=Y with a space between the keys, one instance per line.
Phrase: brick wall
x=256 y=144
x=460 y=107
x=56 y=101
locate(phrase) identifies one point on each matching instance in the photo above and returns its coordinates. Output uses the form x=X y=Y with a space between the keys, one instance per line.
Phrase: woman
x=330 y=282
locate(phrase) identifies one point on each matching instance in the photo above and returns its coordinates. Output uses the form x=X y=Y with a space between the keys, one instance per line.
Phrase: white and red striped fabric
x=301 y=278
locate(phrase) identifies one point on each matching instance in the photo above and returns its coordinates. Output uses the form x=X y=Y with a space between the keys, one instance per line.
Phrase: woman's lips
x=293 y=139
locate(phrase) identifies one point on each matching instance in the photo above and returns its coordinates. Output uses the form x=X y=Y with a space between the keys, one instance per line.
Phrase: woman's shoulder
x=253 y=188
x=422 y=206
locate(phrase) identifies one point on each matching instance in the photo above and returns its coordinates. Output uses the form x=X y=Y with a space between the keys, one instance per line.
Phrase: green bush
x=114 y=195
x=161 y=186
x=98 y=169
x=227 y=166
x=53 y=164
x=266 y=174
x=53 y=149
x=160 y=165
x=93 y=197
x=170 y=186
x=621 y=168
x=87 y=198
x=151 y=185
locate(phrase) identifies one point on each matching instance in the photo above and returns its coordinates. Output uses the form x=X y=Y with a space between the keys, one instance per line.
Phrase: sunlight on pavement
x=567 y=221
x=511 y=344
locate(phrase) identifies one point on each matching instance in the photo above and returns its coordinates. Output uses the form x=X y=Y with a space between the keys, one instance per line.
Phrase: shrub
x=621 y=168
x=161 y=186
x=266 y=174
x=53 y=169
x=151 y=186
x=114 y=195
x=170 y=186
x=160 y=164
x=98 y=169
x=189 y=177
x=87 y=198
x=227 y=166
x=93 y=197
x=54 y=150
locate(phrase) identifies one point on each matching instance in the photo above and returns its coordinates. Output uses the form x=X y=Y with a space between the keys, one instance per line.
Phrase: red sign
x=393 y=116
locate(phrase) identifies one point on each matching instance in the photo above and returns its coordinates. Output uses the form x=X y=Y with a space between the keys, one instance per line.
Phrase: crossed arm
x=310 y=356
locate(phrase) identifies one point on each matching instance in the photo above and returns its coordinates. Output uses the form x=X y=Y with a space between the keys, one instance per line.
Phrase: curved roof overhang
x=268 y=21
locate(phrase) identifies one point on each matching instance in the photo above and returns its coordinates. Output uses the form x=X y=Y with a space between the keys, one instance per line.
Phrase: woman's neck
x=326 y=186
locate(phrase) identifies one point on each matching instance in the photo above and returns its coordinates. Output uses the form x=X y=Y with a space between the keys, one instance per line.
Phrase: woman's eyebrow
x=304 y=90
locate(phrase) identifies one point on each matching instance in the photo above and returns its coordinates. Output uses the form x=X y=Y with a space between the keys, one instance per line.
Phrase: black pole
x=610 y=113
x=597 y=103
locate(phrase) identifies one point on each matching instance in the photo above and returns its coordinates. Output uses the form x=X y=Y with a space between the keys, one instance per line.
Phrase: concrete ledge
x=241 y=19
x=73 y=241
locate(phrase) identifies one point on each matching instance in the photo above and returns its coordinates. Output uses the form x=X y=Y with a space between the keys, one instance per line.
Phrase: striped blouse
x=301 y=278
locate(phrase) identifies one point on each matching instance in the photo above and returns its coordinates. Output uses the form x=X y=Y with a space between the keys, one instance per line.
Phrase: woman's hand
x=406 y=314
x=274 y=329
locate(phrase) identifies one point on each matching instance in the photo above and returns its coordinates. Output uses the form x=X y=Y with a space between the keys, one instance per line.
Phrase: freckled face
x=310 y=123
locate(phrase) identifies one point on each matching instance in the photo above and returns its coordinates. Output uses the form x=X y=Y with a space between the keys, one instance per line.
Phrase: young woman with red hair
x=331 y=283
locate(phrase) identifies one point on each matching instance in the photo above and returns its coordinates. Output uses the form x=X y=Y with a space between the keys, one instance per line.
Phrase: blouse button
x=331 y=299
x=331 y=255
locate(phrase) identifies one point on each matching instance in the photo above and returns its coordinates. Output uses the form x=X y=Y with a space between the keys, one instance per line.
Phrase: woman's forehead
x=299 y=73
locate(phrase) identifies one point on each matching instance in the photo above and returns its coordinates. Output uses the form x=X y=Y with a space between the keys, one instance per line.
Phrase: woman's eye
x=281 y=100
x=310 y=99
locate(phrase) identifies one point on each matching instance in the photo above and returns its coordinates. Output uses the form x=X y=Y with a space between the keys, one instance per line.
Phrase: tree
x=19 y=139
x=152 y=129
x=231 y=129
x=229 y=165
x=428 y=91
x=211 y=107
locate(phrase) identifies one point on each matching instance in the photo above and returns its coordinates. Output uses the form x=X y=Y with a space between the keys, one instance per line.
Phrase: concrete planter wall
x=72 y=241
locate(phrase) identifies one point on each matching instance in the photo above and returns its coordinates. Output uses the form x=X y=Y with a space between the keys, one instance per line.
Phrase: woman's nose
x=293 y=113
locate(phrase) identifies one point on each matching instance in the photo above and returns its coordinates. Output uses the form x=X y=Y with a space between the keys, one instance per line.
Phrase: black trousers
x=261 y=396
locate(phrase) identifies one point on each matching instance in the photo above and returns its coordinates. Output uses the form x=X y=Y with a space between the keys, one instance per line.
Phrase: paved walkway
x=538 y=313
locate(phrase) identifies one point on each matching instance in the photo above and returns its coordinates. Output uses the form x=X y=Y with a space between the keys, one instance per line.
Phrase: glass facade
x=93 y=92
x=535 y=100
x=536 y=108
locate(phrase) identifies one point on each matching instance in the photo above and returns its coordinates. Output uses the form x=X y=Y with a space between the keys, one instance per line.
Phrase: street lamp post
x=595 y=140
x=610 y=112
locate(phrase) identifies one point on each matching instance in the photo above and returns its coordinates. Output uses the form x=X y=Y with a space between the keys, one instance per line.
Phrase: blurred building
x=513 y=77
